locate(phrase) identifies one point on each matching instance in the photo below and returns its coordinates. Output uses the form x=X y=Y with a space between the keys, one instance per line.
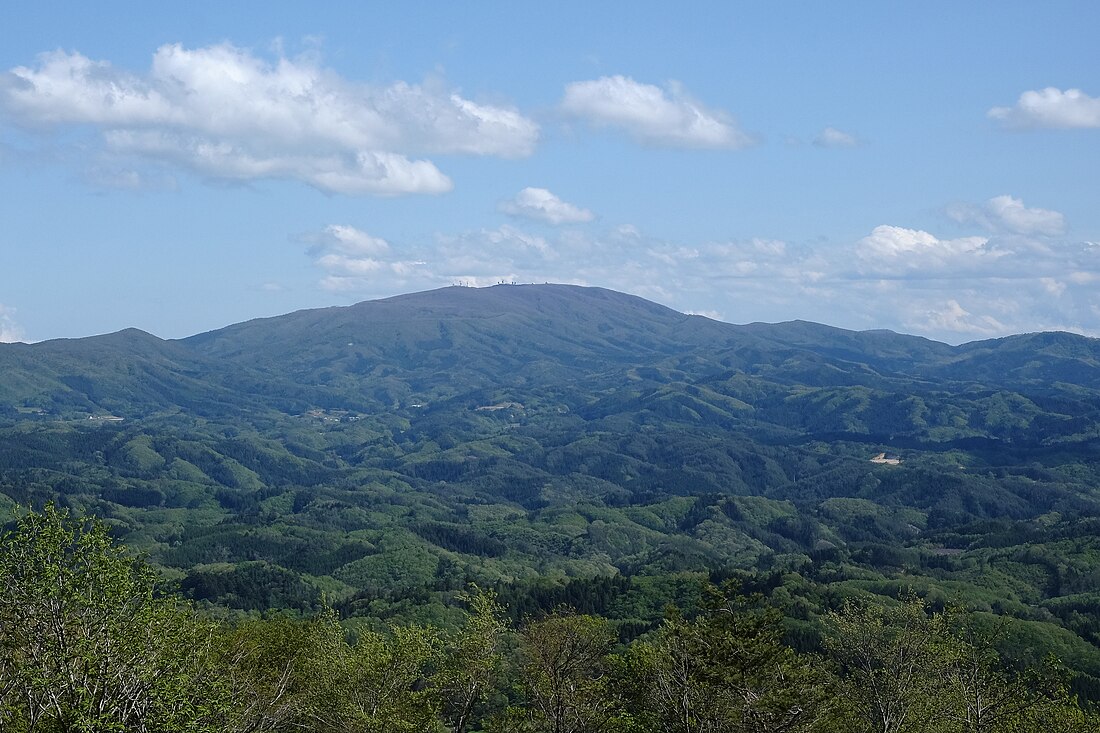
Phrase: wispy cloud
x=127 y=179
x=355 y=262
x=541 y=205
x=667 y=117
x=1008 y=276
x=352 y=259
x=1050 y=107
x=831 y=137
x=1008 y=214
x=226 y=113
x=10 y=332
x=950 y=317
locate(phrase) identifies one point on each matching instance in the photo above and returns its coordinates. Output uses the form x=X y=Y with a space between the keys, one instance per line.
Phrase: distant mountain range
x=429 y=347
x=559 y=443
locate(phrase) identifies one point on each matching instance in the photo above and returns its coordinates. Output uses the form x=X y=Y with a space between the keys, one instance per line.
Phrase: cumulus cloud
x=666 y=117
x=905 y=279
x=1013 y=281
x=952 y=317
x=1008 y=214
x=540 y=204
x=351 y=258
x=1050 y=107
x=10 y=332
x=347 y=240
x=226 y=113
x=894 y=250
x=831 y=137
x=355 y=262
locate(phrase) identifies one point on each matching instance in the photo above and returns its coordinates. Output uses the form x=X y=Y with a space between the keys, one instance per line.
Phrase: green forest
x=332 y=500
x=91 y=645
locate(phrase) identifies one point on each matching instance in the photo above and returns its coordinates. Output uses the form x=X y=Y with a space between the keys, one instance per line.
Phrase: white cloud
x=768 y=247
x=344 y=265
x=952 y=317
x=890 y=249
x=478 y=257
x=1011 y=214
x=1008 y=214
x=908 y=280
x=352 y=258
x=831 y=137
x=355 y=262
x=626 y=232
x=348 y=240
x=363 y=172
x=1051 y=107
x=227 y=113
x=1053 y=286
x=913 y=281
x=10 y=332
x=652 y=115
x=540 y=204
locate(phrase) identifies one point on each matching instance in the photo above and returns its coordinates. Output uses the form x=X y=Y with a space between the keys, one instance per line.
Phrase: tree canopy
x=90 y=643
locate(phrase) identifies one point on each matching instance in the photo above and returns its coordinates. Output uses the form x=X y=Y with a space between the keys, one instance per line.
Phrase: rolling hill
x=388 y=453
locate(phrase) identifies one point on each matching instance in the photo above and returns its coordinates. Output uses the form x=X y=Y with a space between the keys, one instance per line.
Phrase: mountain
x=445 y=343
x=112 y=372
x=541 y=437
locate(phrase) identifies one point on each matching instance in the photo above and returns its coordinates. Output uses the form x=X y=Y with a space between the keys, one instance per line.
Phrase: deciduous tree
x=472 y=664
x=728 y=671
x=86 y=644
x=564 y=673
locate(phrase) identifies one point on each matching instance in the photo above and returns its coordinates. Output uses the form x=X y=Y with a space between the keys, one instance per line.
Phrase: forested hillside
x=90 y=646
x=577 y=447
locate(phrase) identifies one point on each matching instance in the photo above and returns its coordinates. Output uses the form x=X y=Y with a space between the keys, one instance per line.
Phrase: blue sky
x=929 y=168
